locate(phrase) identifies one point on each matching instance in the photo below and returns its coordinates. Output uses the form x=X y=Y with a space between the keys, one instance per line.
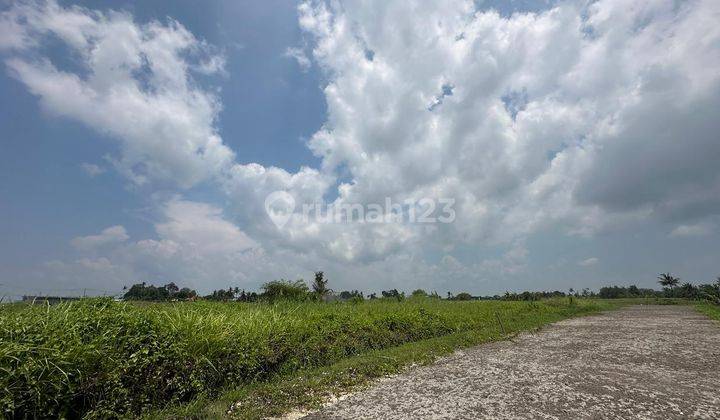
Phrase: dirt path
x=639 y=362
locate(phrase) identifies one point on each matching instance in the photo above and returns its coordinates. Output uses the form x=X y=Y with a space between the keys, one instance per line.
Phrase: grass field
x=99 y=358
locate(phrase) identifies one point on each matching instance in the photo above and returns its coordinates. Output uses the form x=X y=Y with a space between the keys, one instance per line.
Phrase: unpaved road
x=639 y=362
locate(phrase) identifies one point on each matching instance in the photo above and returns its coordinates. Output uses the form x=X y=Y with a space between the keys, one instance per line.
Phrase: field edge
x=709 y=309
x=310 y=389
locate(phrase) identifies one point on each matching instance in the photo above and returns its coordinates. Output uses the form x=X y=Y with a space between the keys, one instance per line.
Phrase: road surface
x=638 y=362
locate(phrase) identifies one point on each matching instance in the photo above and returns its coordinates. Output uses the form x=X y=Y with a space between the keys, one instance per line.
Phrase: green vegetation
x=170 y=291
x=99 y=358
x=168 y=352
x=309 y=388
x=713 y=311
x=320 y=286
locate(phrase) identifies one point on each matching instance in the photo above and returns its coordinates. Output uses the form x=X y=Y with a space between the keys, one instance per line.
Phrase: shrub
x=285 y=290
x=419 y=293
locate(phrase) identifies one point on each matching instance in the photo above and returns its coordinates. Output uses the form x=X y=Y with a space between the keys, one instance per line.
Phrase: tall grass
x=709 y=309
x=99 y=358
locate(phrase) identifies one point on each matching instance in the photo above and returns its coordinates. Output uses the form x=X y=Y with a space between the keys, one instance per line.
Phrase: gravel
x=638 y=362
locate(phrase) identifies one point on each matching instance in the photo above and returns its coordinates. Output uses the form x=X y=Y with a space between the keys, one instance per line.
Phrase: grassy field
x=99 y=358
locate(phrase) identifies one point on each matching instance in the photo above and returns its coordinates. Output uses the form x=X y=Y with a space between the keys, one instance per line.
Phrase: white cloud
x=588 y=262
x=697 y=229
x=299 y=55
x=517 y=169
x=200 y=228
x=92 y=170
x=579 y=118
x=111 y=235
x=136 y=86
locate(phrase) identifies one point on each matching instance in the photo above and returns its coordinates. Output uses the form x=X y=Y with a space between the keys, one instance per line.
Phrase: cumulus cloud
x=201 y=228
x=582 y=117
x=113 y=234
x=135 y=85
x=548 y=112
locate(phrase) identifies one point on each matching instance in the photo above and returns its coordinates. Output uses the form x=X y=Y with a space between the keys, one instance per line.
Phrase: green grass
x=98 y=358
x=709 y=309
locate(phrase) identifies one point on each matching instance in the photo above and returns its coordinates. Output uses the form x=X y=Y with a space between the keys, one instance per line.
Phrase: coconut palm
x=667 y=280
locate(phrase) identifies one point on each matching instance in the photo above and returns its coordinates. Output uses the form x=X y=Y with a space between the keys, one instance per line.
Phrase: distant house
x=51 y=300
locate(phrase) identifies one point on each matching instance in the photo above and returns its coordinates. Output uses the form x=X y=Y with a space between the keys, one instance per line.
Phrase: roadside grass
x=96 y=358
x=308 y=389
x=709 y=309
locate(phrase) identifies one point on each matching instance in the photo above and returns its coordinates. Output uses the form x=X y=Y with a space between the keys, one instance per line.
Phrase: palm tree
x=667 y=280
x=320 y=286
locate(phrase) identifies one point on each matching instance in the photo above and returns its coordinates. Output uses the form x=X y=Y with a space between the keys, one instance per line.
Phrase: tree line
x=298 y=290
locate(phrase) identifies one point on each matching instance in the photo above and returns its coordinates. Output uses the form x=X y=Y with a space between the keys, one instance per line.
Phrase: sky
x=573 y=143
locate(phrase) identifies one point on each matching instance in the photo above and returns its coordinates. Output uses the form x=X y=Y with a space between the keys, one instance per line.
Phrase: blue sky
x=606 y=174
x=270 y=107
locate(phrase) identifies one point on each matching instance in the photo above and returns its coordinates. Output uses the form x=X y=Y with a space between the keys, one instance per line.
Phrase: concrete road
x=647 y=362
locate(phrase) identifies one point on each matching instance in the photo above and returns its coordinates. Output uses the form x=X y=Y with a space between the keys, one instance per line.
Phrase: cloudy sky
x=578 y=140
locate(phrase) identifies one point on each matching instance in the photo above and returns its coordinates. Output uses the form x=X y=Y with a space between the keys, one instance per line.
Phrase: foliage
x=353 y=295
x=142 y=291
x=247 y=296
x=224 y=295
x=393 y=294
x=668 y=280
x=529 y=296
x=615 y=292
x=319 y=286
x=308 y=389
x=419 y=293
x=280 y=290
x=713 y=311
x=463 y=296
x=98 y=358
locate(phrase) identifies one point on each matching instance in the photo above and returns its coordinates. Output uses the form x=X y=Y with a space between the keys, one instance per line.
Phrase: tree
x=319 y=286
x=463 y=296
x=687 y=290
x=172 y=288
x=419 y=293
x=393 y=294
x=667 y=280
x=285 y=290
x=223 y=295
x=247 y=296
x=143 y=291
x=352 y=296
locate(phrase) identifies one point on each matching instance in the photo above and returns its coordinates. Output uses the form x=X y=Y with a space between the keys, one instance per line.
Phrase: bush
x=285 y=290
x=419 y=293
